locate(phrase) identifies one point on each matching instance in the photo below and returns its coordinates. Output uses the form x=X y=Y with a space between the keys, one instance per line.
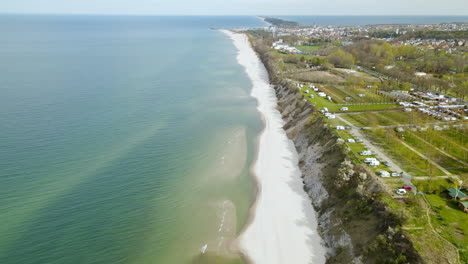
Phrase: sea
x=356 y=20
x=123 y=139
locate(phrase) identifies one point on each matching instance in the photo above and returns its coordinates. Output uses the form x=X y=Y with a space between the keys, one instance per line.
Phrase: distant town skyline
x=239 y=7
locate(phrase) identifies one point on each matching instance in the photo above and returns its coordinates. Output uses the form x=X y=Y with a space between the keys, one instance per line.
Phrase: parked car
x=396 y=174
x=401 y=191
x=386 y=163
x=406 y=187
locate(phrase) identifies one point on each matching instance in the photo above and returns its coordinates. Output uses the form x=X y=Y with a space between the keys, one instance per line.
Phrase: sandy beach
x=283 y=225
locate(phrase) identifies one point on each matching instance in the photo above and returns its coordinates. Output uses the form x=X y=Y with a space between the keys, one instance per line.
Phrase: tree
x=461 y=90
x=341 y=59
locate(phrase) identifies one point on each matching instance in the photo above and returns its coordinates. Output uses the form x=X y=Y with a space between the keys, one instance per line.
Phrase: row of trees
x=374 y=52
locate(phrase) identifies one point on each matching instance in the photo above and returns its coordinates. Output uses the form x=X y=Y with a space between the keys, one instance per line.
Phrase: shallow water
x=123 y=139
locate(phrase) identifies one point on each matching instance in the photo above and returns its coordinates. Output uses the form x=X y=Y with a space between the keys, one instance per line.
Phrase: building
x=463 y=206
x=452 y=192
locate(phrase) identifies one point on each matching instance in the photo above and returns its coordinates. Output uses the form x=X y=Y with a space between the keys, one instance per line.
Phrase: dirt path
x=426 y=158
x=441 y=151
x=427 y=208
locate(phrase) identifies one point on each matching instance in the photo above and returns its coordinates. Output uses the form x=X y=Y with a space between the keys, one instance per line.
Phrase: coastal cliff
x=355 y=224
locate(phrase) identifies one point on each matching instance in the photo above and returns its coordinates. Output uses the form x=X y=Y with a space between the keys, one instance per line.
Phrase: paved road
x=379 y=153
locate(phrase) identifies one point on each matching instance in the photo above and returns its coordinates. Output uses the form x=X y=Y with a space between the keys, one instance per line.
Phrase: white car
x=401 y=191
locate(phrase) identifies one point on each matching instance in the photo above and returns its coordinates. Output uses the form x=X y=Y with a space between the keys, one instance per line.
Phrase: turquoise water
x=120 y=137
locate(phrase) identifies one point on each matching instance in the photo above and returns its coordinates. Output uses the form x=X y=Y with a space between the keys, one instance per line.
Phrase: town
x=395 y=96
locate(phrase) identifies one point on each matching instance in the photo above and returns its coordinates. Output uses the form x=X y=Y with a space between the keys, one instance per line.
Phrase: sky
x=239 y=7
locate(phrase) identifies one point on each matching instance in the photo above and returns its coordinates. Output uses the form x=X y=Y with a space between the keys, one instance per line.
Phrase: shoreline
x=280 y=229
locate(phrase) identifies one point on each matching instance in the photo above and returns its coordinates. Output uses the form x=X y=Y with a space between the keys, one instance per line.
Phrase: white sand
x=283 y=227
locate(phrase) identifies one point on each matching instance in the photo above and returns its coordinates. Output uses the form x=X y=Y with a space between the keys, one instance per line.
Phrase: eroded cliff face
x=355 y=225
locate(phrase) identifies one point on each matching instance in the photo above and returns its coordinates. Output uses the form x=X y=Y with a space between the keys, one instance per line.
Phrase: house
x=452 y=192
x=344 y=109
x=340 y=128
x=463 y=206
x=383 y=174
x=365 y=153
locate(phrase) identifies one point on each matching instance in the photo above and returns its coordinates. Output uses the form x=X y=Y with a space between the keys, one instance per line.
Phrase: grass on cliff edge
x=433 y=248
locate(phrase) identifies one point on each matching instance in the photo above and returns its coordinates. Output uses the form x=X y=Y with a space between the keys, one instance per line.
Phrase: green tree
x=341 y=59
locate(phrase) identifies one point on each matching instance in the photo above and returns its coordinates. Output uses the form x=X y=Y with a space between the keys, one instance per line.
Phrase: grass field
x=444 y=218
x=451 y=221
x=321 y=102
x=410 y=161
x=308 y=48
x=388 y=118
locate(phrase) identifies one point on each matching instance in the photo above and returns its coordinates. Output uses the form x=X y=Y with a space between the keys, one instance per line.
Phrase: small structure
x=420 y=74
x=374 y=163
x=325 y=109
x=344 y=109
x=307 y=91
x=322 y=94
x=396 y=174
x=365 y=153
x=329 y=98
x=464 y=206
x=407 y=109
x=350 y=140
x=457 y=194
x=311 y=96
x=340 y=128
x=383 y=174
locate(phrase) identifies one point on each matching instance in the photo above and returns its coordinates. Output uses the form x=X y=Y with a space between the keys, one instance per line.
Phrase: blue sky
x=235 y=7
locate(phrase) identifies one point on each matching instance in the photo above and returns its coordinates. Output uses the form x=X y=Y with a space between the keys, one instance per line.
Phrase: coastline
x=283 y=224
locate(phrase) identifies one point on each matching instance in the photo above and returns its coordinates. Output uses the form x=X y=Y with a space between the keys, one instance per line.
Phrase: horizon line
x=258 y=15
